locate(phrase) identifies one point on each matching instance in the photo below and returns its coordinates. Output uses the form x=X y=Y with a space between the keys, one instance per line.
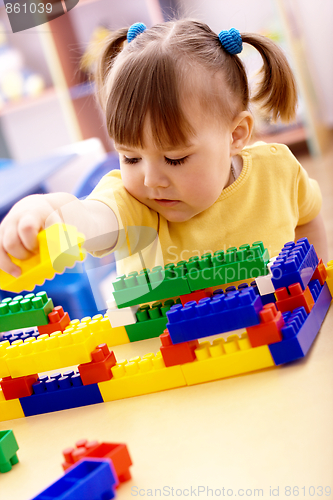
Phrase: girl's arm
x=19 y=229
x=316 y=234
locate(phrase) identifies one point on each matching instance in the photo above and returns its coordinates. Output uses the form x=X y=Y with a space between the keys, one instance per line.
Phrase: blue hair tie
x=135 y=30
x=231 y=40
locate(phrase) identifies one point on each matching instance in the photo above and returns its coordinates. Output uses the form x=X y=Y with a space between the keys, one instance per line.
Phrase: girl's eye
x=177 y=161
x=131 y=161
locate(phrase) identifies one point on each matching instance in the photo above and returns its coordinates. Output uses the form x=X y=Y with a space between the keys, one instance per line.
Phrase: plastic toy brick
x=99 y=369
x=293 y=298
x=59 y=350
x=59 y=247
x=102 y=330
x=149 y=286
x=226 y=267
x=320 y=273
x=116 y=452
x=14 y=388
x=196 y=296
x=21 y=335
x=4 y=372
x=220 y=314
x=141 y=376
x=177 y=354
x=22 y=312
x=269 y=329
x=90 y=479
x=329 y=279
x=226 y=358
x=58 y=320
x=301 y=328
x=268 y=298
x=8 y=449
x=151 y=321
x=10 y=409
x=296 y=263
x=58 y=392
x=264 y=283
x=120 y=317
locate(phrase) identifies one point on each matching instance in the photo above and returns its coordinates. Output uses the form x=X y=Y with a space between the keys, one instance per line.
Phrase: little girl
x=176 y=100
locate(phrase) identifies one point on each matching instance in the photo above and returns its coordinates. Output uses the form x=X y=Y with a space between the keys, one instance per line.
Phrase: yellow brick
x=102 y=330
x=60 y=350
x=9 y=409
x=59 y=247
x=4 y=372
x=329 y=279
x=236 y=357
x=141 y=376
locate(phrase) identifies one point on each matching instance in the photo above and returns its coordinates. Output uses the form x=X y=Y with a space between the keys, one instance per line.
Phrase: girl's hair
x=177 y=61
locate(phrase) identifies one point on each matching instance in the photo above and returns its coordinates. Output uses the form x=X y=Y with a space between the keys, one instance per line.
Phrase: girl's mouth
x=167 y=203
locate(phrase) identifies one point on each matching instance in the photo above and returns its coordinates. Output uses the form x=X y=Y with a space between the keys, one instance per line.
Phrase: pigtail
x=277 y=89
x=112 y=47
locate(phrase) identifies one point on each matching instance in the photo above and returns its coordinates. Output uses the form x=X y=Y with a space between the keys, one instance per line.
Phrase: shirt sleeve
x=134 y=218
x=309 y=197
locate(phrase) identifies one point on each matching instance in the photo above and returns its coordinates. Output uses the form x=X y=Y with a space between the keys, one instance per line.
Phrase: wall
x=312 y=17
x=315 y=19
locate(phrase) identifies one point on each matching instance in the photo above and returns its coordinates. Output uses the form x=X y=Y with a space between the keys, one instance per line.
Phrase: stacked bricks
x=276 y=332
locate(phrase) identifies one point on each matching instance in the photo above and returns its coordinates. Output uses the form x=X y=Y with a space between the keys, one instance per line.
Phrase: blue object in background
x=18 y=180
x=5 y=162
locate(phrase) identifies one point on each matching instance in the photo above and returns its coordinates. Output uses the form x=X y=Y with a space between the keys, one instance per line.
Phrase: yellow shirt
x=272 y=195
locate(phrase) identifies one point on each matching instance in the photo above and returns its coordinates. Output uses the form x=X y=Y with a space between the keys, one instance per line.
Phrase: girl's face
x=182 y=182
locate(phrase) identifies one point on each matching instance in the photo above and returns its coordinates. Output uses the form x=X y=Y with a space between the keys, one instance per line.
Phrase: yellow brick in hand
x=59 y=247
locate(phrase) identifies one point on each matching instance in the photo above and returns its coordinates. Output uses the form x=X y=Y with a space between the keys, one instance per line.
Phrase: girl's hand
x=19 y=229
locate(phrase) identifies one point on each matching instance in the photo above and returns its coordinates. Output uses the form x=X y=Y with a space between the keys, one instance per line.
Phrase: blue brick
x=222 y=313
x=19 y=335
x=58 y=392
x=265 y=299
x=301 y=329
x=295 y=263
x=89 y=479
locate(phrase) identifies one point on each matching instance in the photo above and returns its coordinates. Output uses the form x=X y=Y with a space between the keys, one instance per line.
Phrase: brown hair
x=154 y=73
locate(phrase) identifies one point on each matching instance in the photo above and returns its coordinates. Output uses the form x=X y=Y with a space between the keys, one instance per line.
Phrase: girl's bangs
x=145 y=89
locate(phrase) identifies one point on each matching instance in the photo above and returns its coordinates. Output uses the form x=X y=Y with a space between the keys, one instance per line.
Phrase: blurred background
x=52 y=132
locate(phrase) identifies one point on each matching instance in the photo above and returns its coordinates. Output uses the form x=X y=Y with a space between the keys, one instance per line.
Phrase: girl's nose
x=155 y=178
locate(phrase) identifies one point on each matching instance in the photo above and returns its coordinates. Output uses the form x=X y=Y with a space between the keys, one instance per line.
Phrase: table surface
x=267 y=431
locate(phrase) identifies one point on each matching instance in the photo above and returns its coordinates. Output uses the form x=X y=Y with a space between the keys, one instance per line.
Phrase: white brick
x=122 y=317
x=265 y=285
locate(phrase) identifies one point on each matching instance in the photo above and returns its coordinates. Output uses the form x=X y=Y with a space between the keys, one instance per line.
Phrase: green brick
x=8 y=449
x=23 y=312
x=151 y=321
x=227 y=267
x=149 y=286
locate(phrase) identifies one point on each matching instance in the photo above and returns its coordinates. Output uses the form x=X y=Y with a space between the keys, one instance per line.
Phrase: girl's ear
x=241 y=132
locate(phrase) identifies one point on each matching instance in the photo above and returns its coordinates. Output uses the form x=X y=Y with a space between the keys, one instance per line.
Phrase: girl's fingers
x=12 y=244
x=5 y=262
x=27 y=230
